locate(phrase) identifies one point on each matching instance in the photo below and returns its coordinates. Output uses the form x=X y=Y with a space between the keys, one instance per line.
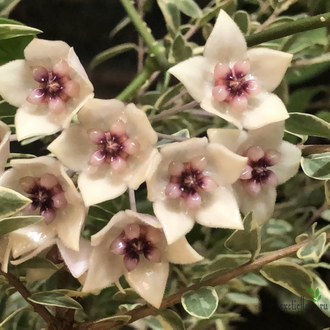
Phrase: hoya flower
x=271 y=161
x=133 y=244
x=53 y=196
x=112 y=148
x=193 y=181
x=48 y=87
x=233 y=82
x=4 y=145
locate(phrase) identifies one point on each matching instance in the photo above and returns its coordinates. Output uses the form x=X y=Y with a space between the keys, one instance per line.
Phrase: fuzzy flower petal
x=62 y=205
x=49 y=87
x=193 y=182
x=134 y=245
x=234 y=83
x=271 y=161
x=112 y=148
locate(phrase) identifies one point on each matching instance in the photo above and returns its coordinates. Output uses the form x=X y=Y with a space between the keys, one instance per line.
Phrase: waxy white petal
x=77 y=262
x=226 y=42
x=149 y=280
x=268 y=66
x=96 y=188
x=16 y=82
x=264 y=109
x=181 y=252
x=230 y=138
x=196 y=74
x=220 y=210
x=104 y=269
x=262 y=205
x=176 y=221
x=289 y=162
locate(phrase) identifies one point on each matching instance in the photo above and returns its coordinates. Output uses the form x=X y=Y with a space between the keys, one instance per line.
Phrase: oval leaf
x=201 y=303
x=242 y=299
x=314 y=250
x=189 y=8
x=288 y=275
x=8 y=31
x=248 y=239
x=306 y=124
x=170 y=320
x=317 y=166
x=8 y=225
x=51 y=298
x=11 y=202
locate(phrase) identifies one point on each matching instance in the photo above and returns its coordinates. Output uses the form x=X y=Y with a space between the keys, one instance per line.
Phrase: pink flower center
x=136 y=240
x=233 y=86
x=46 y=194
x=55 y=87
x=113 y=147
x=187 y=181
x=256 y=172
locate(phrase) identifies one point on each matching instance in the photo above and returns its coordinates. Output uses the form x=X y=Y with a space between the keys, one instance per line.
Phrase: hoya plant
x=178 y=203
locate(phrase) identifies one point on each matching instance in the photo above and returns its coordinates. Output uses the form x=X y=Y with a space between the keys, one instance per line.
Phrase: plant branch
x=157 y=50
x=51 y=321
x=284 y=30
x=175 y=298
x=173 y=111
x=135 y=84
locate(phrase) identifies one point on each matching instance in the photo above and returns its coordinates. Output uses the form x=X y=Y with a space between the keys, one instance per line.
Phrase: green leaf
x=170 y=320
x=310 y=289
x=124 y=318
x=307 y=124
x=254 y=279
x=201 y=303
x=189 y=8
x=129 y=294
x=166 y=97
x=11 y=202
x=8 y=225
x=319 y=298
x=24 y=308
x=300 y=99
x=171 y=15
x=128 y=307
x=325 y=294
x=317 y=166
x=111 y=52
x=180 y=50
x=317 y=292
x=50 y=298
x=8 y=31
x=248 y=239
x=277 y=227
x=242 y=19
x=38 y=263
x=226 y=262
x=229 y=6
x=313 y=250
x=242 y=299
x=288 y=275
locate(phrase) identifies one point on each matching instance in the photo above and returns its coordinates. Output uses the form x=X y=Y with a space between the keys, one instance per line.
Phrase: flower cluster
x=111 y=148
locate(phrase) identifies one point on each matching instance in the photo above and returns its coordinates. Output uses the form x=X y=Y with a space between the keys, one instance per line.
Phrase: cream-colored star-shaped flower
x=193 y=181
x=134 y=244
x=271 y=161
x=4 y=145
x=112 y=148
x=53 y=196
x=235 y=83
x=48 y=87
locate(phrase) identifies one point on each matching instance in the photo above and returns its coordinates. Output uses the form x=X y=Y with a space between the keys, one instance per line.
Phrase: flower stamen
x=46 y=194
x=114 y=147
x=257 y=173
x=232 y=85
x=187 y=181
x=55 y=87
x=136 y=240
